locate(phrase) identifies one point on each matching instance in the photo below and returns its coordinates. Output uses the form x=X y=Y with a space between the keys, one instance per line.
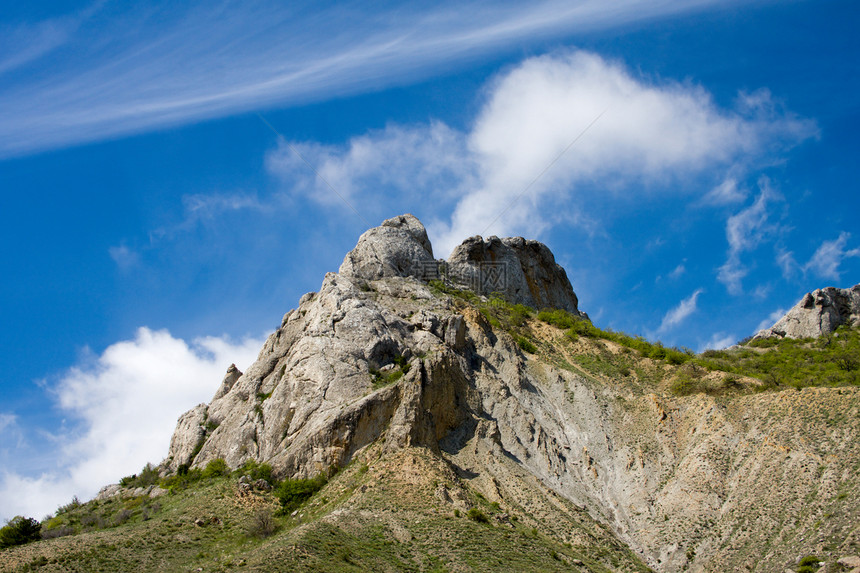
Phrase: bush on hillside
x=20 y=530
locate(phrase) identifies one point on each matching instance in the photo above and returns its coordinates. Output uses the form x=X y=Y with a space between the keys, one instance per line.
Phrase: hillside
x=441 y=423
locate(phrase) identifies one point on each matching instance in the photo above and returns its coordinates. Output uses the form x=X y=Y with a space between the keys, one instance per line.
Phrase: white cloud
x=124 y=257
x=678 y=272
x=138 y=67
x=6 y=420
x=680 y=313
x=123 y=406
x=726 y=193
x=513 y=160
x=718 y=341
x=770 y=320
x=745 y=231
x=828 y=257
x=787 y=264
x=414 y=162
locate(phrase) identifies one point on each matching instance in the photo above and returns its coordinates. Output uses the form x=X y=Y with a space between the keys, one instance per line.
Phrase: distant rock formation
x=818 y=312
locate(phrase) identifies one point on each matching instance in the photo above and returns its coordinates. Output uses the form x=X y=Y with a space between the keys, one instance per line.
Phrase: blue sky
x=156 y=228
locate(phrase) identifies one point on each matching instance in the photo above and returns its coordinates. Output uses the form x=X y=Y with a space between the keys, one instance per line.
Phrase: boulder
x=397 y=248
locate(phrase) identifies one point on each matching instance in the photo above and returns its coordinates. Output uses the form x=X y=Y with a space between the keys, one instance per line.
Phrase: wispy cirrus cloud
x=139 y=68
x=680 y=313
x=827 y=259
x=745 y=231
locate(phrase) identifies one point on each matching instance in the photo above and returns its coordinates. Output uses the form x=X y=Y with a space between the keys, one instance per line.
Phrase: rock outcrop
x=397 y=248
x=818 y=312
x=520 y=271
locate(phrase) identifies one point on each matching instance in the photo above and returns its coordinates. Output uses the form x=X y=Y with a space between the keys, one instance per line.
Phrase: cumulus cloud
x=745 y=231
x=680 y=313
x=554 y=128
x=826 y=260
x=121 y=408
x=412 y=162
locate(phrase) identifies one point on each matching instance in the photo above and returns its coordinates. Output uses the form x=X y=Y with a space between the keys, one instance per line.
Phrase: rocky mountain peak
x=397 y=248
x=519 y=270
x=819 y=312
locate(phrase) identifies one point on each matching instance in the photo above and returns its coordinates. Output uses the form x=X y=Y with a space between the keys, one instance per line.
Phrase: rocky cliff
x=384 y=359
x=818 y=312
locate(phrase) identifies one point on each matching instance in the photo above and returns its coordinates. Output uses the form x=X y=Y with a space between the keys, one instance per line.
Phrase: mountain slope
x=436 y=391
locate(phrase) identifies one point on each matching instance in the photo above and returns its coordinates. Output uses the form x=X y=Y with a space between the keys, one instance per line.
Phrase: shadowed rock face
x=522 y=271
x=818 y=312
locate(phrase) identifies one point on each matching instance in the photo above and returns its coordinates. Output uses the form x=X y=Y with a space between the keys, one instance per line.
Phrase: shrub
x=808 y=564
x=148 y=476
x=181 y=481
x=262 y=524
x=255 y=470
x=556 y=317
x=476 y=514
x=292 y=493
x=20 y=530
x=216 y=468
x=74 y=504
x=526 y=344
x=60 y=531
x=122 y=516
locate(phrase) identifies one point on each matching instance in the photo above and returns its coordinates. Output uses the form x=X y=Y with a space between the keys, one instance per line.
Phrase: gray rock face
x=819 y=312
x=397 y=248
x=230 y=378
x=521 y=271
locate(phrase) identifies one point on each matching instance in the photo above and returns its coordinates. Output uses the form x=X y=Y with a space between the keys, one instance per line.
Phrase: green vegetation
x=832 y=360
x=476 y=514
x=526 y=344
x=576 y=327
x=292 y=493
x=255 y=470
x=808 y=564
x=379 y=378
x=20 y=530
x=148 y=476
x=216 y=468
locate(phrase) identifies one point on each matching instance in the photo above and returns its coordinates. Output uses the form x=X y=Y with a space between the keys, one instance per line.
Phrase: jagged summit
x=819 y=312
x=519 y=270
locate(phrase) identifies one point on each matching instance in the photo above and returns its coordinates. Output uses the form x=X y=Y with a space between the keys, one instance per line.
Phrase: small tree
x=20 y=530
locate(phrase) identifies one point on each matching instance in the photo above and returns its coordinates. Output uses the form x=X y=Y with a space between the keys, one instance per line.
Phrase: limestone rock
x=230 y=378
x=397 y=248
x=521 y=271
x=189 y=432
x=819 y=312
